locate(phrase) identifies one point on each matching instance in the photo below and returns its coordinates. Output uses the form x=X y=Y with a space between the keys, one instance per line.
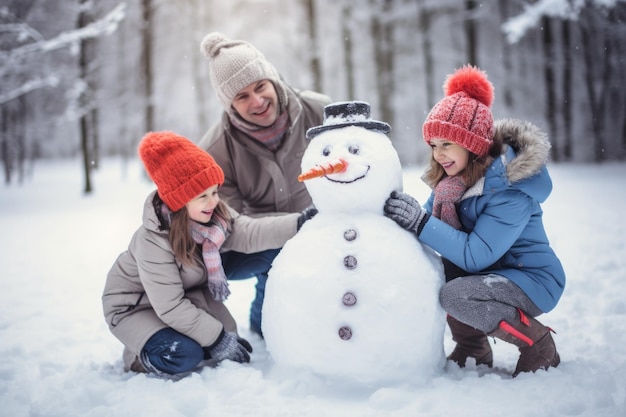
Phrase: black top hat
x=348 y=113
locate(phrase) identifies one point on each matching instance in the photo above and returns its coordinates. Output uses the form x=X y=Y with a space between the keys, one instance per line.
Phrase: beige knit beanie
x=234 y=65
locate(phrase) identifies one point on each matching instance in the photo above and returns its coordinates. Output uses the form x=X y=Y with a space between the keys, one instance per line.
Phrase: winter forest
x=86 y=79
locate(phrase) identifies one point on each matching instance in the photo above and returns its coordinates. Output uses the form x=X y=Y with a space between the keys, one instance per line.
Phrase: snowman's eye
x=354 y=149
x=327 y=150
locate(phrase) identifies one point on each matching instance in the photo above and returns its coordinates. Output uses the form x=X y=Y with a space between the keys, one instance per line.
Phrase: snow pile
x=60 y=359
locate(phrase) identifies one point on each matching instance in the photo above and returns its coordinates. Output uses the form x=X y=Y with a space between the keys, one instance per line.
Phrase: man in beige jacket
x=259 y=143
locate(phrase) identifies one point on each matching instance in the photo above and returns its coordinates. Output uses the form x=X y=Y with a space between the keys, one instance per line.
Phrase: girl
x=163 y=297
x=484 y=218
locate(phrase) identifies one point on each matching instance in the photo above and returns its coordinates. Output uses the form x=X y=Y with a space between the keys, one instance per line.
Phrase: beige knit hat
x=236 y=64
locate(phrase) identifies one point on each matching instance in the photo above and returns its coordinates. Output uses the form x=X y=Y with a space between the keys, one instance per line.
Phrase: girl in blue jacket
x=485 y=220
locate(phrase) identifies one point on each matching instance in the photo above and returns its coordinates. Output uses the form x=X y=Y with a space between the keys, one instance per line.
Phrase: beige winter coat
x=257 y=179
x=147 y=289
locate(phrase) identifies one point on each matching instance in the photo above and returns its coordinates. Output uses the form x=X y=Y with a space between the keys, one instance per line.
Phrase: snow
x=516 y=27
x=61 y=360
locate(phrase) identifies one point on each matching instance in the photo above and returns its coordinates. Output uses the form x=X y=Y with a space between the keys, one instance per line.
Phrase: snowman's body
x=353 y=295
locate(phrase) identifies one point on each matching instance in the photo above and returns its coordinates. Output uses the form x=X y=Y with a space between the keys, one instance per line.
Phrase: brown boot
x=470 y=343
x=137 y=366
x=535 y=343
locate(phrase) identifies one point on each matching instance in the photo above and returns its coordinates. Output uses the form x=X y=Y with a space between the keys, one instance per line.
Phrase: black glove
x=229 y=346
x=306 y=214
x=406 y=211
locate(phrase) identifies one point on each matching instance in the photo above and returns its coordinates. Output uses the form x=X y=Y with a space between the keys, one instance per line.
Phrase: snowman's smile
x=349 y=176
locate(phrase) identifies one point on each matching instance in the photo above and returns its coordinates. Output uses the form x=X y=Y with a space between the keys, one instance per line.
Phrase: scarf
x=271 y=137
x=211 y=237
x=447 y=193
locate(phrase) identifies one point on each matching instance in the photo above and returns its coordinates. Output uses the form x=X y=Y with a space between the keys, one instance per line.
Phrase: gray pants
x=483 y=301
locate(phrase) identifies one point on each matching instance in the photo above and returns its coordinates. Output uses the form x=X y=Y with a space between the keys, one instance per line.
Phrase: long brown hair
x=183 y=245
x=475 y=170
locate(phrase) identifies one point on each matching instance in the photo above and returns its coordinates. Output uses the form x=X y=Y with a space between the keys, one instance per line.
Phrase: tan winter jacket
x=147 y=289
x=257 y=179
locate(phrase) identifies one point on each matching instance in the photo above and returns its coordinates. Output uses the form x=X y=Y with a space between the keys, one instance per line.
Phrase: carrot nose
x=332 y=167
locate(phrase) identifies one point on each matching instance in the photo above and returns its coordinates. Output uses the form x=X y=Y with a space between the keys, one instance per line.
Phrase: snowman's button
x=350 y=235
x=349 y=299
x=349 y=262
x=345 y=333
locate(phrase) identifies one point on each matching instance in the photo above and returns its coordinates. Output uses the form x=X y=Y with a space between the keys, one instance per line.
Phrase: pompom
x=210 y=44
x=473 y=82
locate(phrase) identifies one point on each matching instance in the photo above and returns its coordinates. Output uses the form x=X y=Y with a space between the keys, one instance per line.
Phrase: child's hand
x=230 y=346
x=406 y=211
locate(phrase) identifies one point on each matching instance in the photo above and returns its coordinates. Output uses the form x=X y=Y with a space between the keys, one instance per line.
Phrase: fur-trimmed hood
x=522 y=163
x=530 y=144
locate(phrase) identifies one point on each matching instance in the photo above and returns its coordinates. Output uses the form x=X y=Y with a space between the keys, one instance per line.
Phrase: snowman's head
x=357 y=168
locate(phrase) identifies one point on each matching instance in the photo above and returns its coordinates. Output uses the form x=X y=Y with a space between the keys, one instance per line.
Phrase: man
x=259 y=144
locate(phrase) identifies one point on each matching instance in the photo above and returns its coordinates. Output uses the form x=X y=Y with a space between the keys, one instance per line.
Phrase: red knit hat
x=179 y=168
x=464 y=115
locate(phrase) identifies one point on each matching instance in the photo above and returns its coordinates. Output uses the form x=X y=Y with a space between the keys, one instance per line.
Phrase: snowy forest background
x=88 y=78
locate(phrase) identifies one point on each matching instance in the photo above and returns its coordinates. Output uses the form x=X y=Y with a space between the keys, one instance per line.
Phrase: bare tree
x=503 y=6
x=88 y=111
x=316 y=68
x=25 y=73
x=199 y=19
x=346 y=19
x=382 y=37
x=146 y=62
x=469 y=24
x=14 y=78
x=549 y=81
x=425 y=20
x=566 y=87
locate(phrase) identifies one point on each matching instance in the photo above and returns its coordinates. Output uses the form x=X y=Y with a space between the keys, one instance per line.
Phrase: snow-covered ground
x=59 y=359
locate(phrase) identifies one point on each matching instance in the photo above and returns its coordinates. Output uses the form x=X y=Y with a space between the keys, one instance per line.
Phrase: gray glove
x=229 y=346
x=306 y=214
x=406 y=211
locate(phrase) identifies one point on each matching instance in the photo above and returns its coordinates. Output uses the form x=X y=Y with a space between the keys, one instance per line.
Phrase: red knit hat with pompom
x=464 y=115
x=180 y=169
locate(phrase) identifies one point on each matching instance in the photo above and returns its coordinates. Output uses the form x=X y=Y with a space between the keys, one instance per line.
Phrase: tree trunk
x=200 y=20
x=470 y=32
x=614 y=95
x=4 y=145
x=550 y=85
x=347 y=50
x=382 y=36
x=316 y=68
x=506 y=58
x=567 y=89
x=424 y=21
x=84 y=101
x=588 y=28
x=146 y=63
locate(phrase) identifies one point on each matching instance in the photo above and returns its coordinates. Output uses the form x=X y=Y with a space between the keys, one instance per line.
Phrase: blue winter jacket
x=501 y=216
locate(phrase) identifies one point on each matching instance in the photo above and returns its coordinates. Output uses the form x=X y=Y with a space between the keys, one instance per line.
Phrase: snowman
x=353 y=296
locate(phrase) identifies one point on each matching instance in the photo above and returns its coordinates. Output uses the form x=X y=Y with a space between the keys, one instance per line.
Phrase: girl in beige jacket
x=163 y=297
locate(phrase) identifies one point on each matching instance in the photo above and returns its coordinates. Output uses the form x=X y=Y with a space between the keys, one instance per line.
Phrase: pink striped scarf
x=448 y=192
x=212 y=237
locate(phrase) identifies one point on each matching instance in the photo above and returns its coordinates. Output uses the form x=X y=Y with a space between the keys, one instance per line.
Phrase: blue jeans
x=171 y=352
x=239 y=265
